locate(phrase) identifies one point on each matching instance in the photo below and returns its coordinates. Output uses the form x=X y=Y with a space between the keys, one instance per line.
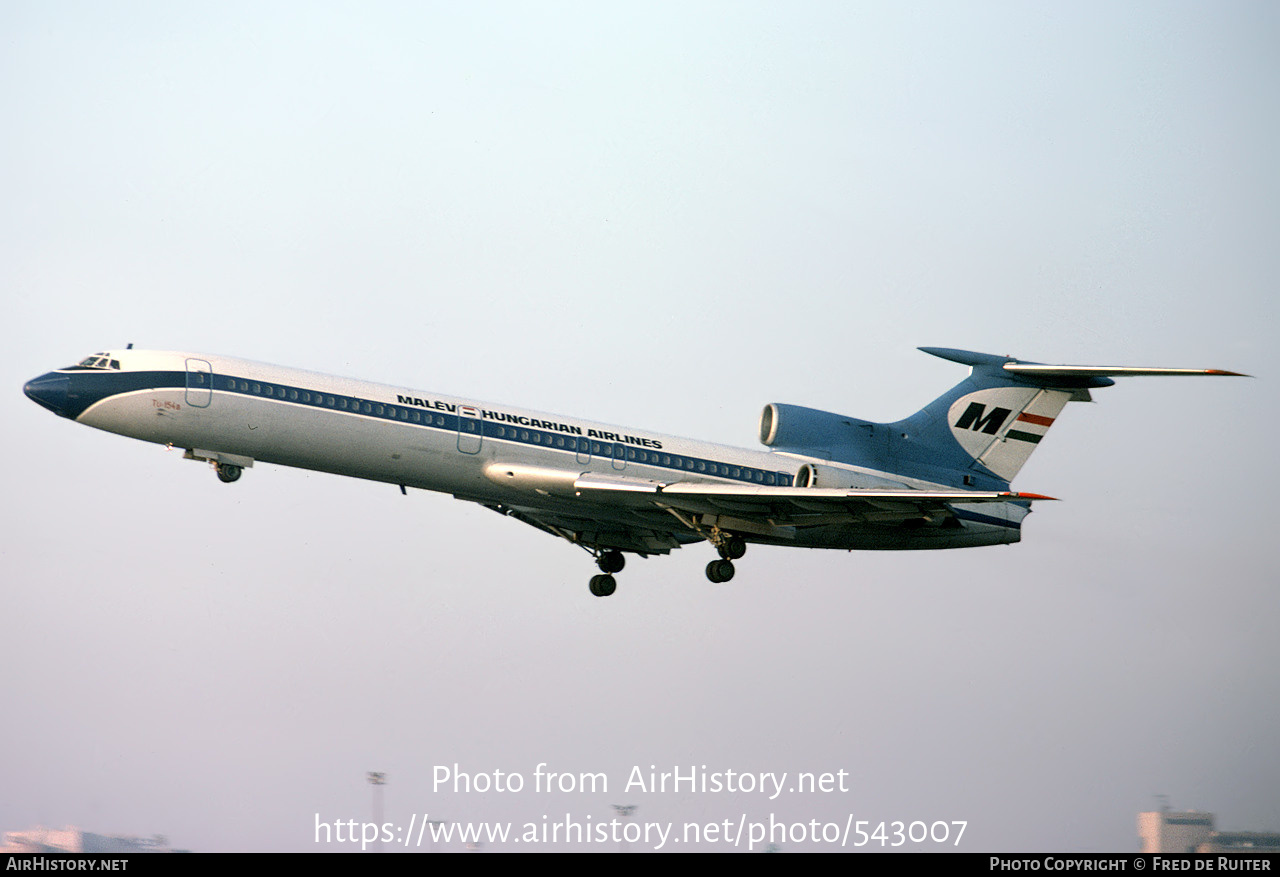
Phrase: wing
x=655 y=517
x=778 y=512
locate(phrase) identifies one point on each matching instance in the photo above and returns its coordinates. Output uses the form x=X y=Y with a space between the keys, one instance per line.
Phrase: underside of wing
x=642 y=531
x=778 y=512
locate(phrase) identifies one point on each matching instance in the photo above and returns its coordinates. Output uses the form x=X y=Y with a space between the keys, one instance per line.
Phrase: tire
x=603 y=585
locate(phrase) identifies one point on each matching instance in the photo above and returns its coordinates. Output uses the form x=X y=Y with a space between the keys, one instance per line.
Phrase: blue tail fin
x=987 y=426
x=979 y=433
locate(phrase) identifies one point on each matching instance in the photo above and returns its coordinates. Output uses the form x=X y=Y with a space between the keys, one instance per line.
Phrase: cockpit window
x=99 y=360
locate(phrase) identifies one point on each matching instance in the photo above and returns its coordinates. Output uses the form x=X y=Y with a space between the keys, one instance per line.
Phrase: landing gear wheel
x=611 y=562
x=733 y=548
x=603 y=585
x=720 y=571
x=227 y=472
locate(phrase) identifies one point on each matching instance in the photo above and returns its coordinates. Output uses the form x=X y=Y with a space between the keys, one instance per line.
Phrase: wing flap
x=823 y=495
x=644 y=538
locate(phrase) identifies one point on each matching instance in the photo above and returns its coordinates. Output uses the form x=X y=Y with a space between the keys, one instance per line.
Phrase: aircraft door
x=619 y=456
x=470 y=429
x=584 y=450
x=199 y=383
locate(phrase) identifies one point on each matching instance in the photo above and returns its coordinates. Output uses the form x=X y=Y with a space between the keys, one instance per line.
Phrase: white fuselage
x=237 y=412
x=385 y=433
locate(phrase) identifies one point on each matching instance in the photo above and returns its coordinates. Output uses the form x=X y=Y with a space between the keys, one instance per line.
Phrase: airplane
x=937 y=479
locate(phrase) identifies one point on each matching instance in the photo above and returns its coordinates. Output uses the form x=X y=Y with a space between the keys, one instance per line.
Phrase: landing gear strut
x=227 y=472
x=611 y=561
x=731 y=548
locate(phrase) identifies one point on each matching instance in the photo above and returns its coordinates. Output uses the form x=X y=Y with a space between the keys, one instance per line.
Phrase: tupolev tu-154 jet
x=938 y=479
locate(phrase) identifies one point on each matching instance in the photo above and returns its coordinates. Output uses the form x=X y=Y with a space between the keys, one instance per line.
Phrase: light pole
x=625 y=812
x=377 y=779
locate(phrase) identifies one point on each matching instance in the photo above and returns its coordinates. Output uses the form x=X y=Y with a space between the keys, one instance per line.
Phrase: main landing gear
x=609 y=562
x=731 y=548
x=227 y=472
x=720 y=571
x=603 y=585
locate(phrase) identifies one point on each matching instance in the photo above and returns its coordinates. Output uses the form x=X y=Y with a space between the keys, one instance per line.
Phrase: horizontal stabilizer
x=1108 y=371
x=1001 y=413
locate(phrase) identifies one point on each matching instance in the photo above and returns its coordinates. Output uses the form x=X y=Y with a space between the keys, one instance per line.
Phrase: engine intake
x=816 y=475
x=809 y=429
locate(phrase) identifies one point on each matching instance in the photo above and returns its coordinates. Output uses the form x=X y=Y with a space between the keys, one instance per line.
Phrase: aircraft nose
x=51 y=391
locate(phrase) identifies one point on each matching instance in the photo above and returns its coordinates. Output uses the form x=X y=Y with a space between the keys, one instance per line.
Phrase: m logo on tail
x=999 y=427
x=976 y=418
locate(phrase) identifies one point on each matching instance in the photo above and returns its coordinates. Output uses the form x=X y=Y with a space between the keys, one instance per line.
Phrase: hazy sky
x=664 y=216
